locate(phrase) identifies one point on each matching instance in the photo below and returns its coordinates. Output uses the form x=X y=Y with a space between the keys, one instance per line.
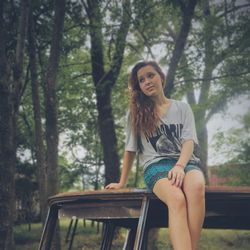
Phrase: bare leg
x=194 y=189
x=175 y=200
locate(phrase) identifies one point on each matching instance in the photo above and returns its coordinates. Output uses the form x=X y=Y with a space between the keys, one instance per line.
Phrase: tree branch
x=217 y=106
x=121 y=40
x=235 y=8
x=240 y=43
x=96 y=39
x=212 y=78
x=180 y=44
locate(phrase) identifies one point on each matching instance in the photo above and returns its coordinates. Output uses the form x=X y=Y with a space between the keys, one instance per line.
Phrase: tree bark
x=104 y=81
x=51 y=107
x=7 y=151
x=39 y=136
x=50 y=99
x=10 y=94
x=187 y=15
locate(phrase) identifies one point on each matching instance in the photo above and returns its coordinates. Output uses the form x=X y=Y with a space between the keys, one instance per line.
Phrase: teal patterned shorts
x=159 y=170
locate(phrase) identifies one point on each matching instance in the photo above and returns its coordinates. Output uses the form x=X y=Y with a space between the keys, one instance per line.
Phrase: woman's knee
x=176 y=201
x=195 y=190
x=171 y=195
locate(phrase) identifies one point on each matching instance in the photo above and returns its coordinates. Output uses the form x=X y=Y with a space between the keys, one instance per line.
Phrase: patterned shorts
x=159 y=170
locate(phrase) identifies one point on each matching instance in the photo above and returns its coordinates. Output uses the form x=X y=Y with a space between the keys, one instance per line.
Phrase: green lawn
x=88 y=238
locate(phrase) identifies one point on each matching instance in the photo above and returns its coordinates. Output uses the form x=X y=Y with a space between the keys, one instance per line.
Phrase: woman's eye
x=151 y=75
x=141 y=80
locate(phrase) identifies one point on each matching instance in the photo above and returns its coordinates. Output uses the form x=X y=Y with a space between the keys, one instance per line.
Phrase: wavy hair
x=144 y=115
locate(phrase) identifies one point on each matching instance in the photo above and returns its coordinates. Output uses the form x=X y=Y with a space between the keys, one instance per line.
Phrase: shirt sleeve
x=130 y=140
x=189 y=128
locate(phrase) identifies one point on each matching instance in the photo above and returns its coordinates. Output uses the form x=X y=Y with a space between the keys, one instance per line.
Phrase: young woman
x=163 y=133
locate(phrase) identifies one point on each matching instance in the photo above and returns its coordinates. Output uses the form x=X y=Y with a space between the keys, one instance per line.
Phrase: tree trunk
x=199 y=114
x=51 y=107
x=39 y=137
x=205 y=87
x=203 y=143
x=10 y=94
x=50 y=99
x=7 y=149
x=187 y=15
x=7 y=159
x=108 y=137
x=104 y=81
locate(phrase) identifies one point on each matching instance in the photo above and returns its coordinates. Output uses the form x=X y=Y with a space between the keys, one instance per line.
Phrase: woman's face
x=150 y=81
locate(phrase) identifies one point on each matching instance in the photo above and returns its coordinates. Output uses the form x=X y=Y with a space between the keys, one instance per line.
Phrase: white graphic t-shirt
x=175 y=127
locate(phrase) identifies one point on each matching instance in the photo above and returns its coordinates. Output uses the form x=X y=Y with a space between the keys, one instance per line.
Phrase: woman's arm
x=186 y=153
x=128 y=159
x=177 y=172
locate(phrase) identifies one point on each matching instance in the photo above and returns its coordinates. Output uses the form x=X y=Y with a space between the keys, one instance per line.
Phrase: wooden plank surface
x=226 y=207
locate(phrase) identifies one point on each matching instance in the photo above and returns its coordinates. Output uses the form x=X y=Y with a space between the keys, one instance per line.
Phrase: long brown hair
x=144 y=115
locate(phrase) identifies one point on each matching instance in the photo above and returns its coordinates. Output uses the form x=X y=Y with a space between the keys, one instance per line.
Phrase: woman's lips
x=150 y=88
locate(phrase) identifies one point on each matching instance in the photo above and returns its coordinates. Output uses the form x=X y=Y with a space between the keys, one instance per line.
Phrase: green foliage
x=151 y=22
x=227 y=59
x=68 y=176
x=237 y=167
x=154 y=27
x=78 y=122
x=236 y=141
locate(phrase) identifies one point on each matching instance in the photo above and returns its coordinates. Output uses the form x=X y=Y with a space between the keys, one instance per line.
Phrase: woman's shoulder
x=179 y=104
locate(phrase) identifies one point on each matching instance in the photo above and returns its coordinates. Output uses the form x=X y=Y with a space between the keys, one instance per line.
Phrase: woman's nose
x=147 y=81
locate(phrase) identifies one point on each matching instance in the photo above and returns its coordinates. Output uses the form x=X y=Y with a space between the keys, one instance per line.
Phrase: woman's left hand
x=176 y=175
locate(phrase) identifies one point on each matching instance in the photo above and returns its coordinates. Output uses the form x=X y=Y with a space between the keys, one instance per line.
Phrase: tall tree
x=50 y=98
x=39 y=136
x=11 y=83
x=220 y=52
x=104 y=79
x=213 y=55
x=51 y=121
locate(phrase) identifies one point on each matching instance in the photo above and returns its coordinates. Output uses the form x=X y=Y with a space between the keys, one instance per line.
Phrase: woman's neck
x=161 y=100
x=162 y=105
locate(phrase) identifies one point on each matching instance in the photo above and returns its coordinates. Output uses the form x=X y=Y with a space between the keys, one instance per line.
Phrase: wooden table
x=139 y=210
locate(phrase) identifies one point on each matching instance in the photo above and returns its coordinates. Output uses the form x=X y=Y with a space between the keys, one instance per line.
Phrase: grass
x=87 y=238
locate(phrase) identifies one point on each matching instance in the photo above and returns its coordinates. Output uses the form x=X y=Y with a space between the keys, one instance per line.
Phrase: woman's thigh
x=168 y=193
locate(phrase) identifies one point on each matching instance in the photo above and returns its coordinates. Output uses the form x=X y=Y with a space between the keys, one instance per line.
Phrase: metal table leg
x=108 y=235
x=73 y=234
x=141 y=224
x=129 y=243
x=49 y=228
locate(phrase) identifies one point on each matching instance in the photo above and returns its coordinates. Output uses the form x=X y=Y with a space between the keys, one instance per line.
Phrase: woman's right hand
x=114 y=186
x=127 y=164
